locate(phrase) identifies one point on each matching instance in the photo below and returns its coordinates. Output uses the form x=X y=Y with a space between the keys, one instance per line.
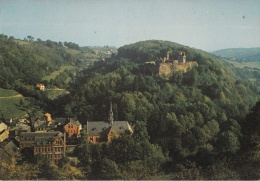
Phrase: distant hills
x=240 y=54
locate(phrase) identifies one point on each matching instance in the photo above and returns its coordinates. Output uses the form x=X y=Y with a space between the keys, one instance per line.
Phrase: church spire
x=110 y=115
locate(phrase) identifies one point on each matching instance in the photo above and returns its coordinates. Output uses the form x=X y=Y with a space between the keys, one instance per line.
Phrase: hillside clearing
x=8 y=93
x=53 y=75
x=245 y=64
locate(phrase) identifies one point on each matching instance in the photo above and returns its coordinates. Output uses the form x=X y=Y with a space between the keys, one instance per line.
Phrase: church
x=104 y=131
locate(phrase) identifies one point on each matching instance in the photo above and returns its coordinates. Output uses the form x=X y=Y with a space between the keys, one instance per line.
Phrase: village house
x=11 y=148
x=104 y=131
x=4 y=132
x=43 y=124
x=50 y=144
x=40 y=87
x=7 y=151
x=18 y=129
x=72 y=128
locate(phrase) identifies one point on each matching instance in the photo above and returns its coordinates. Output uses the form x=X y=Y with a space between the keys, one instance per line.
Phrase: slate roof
x=21 y=126
x=121 y=126
x=96 y=128
x=75 y=122
x=40 y=124
x=41 y=138
x=11 y=148
x=64 y=121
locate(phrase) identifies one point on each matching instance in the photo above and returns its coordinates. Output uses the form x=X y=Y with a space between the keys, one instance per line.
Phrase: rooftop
x=45 y=138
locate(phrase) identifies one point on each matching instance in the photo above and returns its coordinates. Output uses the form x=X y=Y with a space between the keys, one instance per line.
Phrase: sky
x=204 y=24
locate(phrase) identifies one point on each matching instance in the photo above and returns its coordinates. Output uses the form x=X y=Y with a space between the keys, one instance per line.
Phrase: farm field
x=7 y=93
x=54 y=93
x=13 y=104
x=245 y=64
x=53 y=75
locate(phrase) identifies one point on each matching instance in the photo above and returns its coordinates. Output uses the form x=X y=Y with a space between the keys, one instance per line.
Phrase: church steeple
x=110 y=115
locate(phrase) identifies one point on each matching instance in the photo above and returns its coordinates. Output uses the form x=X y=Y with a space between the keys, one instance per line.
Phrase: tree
x=48 y=170
x=14 y=171
x=69 y=172
x=228 y=142
x=82 y=150
x=105 y=169
x=30 y=38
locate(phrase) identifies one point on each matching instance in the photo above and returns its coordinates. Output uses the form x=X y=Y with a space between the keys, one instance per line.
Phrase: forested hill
x=191 y=125
x=150 y=50
x=29 y=61
x=189 y=115
x=24 y=62
x=213 y=81
x=242 y=54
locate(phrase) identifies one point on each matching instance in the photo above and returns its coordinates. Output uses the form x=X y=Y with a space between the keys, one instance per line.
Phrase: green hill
x=187 y=125
x=14 y=105
x=32 y=62
x=194 y=116
x=210 y=91
x=241 y=54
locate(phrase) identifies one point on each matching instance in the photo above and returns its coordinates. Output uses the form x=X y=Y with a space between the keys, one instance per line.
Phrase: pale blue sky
x=204 y=24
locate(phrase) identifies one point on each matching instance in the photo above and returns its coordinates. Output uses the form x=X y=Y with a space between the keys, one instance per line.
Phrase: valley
x=121 y=111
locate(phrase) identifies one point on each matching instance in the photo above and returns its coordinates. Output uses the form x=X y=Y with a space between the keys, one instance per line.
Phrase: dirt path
x=55 y=89
x=16 y=96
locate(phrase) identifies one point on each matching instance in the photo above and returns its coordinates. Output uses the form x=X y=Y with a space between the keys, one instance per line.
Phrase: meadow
x=54 y=74
x=13 y=104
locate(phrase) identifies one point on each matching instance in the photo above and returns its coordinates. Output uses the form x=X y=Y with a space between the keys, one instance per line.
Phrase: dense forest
x=202 y=124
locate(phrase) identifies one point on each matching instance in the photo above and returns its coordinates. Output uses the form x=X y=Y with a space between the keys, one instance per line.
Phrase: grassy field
x=53 y=75
x=9 y=107
x=13 y=104
x=7 y=93
x=9 y=104
x=245 y=64
x=53 y=94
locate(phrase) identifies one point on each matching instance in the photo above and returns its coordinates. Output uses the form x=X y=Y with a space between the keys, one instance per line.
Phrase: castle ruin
x=167 y=65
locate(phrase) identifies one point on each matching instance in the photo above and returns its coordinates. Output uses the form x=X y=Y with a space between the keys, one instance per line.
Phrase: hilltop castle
x=168 y=65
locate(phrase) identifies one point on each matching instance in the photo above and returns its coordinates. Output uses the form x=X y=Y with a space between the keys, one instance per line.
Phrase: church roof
x=121 y=127
x=96 y=128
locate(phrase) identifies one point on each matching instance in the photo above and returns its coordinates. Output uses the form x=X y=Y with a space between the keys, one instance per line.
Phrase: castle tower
x=182 y=57
x=168 y=55
x=110 y=115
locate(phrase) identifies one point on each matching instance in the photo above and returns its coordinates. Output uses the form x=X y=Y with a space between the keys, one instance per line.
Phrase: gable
x=121 y=127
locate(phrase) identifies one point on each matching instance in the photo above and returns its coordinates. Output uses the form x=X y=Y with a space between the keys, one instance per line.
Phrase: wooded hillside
x=199 y=124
